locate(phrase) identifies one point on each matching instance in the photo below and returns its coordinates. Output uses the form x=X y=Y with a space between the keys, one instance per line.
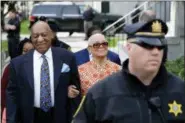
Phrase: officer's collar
x=160 y=79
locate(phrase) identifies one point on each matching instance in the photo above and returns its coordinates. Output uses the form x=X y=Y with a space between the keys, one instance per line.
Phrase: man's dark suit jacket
x=82 y=57
x=20 y=90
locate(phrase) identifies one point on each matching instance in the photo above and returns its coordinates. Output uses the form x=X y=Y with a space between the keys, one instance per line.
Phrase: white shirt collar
x=48 y=54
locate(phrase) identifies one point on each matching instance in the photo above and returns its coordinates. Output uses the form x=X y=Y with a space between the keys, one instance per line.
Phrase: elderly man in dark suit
x=38 y=88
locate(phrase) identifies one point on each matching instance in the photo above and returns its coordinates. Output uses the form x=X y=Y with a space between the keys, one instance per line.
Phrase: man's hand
x=72 y=91
x=9 y=27
x=13 y=27
x=6 y=27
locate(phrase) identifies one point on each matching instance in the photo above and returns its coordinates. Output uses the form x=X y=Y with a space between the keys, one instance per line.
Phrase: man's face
x=144 y=58
x=12 y=15
x=41 y=37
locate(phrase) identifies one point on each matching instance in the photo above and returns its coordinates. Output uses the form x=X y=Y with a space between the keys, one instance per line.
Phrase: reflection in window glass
x=70 y=10
x=46 y=9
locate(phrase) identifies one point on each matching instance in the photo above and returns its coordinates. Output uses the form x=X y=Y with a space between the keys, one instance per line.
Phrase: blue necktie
x=45 y=91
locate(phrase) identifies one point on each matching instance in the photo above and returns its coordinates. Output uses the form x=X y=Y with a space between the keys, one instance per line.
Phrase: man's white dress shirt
x=37 y=62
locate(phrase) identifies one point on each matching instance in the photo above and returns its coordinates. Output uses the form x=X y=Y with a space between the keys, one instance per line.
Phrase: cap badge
x=156 y=27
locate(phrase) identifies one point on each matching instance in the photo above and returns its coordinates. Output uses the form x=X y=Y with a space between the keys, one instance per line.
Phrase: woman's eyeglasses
x=149 y=47
x=97 y=45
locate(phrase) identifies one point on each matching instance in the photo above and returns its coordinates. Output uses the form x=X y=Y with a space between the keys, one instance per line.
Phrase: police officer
x=143 y=91
x=56 y=42
x=149 y=15
x=13 y=30
x=88 y=16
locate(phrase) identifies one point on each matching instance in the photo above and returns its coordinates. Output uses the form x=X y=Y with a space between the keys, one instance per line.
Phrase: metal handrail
x=122 y=18
x=121 y=25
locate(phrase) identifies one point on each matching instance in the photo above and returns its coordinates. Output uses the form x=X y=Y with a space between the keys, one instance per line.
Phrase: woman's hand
x=72 y=91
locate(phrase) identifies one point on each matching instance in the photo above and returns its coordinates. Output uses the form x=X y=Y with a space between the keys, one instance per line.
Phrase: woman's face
x=100 y=46
x=27 y=47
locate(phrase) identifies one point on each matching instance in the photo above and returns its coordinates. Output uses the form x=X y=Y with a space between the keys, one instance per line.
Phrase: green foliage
x=24 y=27
x=176 y=67
x=112 y=41
x=4 y=46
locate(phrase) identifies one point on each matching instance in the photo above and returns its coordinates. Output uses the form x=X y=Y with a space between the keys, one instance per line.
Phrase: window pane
x=46 y=9
x=70 y=10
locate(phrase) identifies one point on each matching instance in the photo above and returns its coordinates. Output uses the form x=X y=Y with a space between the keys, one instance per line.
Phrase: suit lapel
x=57 y=65
x=28 y=68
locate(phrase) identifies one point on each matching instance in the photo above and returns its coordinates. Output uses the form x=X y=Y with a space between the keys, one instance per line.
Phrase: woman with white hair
x=100 y=67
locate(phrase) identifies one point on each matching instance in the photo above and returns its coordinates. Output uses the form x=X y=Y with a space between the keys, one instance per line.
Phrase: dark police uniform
x=56 y=42
x=122 y=98
x=13 y=37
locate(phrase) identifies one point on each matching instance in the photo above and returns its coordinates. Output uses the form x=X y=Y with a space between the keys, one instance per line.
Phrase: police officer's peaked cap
x=152 y=32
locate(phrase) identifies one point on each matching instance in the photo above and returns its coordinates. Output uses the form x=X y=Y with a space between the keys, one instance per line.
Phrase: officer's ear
x=128 y=46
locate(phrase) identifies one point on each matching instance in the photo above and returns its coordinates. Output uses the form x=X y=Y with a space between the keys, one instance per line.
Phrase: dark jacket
x=88 y=15
x=122 y=98
x=20 y=90
x=135 y=16
x=82 y=57
x=57 y=43
x=16 y=32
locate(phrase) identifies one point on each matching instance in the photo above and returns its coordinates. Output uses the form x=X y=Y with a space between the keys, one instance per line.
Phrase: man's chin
x=42 y=50
x=153 y=68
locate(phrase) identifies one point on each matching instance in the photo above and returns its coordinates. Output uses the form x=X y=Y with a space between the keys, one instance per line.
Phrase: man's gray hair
x=147 y=15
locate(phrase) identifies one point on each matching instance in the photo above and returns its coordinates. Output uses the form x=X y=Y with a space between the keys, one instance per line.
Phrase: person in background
x=37 y=91
x=56 y=42
x=88 y=16
x=24 y=46
x=147 y=15
x=13 y=30
x=135 y=15
x=41 y=18
x=2 y=20
x=84 y=55
x=143 y=91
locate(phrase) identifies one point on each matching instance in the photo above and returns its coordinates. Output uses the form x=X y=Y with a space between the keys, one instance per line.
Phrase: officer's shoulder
x=175 y=82
x=109 y=86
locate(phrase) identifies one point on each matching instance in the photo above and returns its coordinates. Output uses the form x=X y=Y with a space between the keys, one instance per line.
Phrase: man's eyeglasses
x=97 y=45
x=149 y=47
